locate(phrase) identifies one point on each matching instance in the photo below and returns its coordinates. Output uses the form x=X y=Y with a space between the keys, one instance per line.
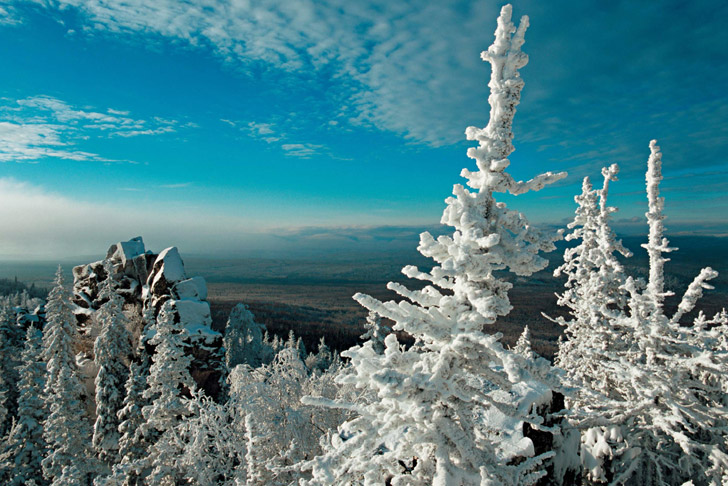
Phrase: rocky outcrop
x=146 y=281
x=130 y=265
x=167 y=281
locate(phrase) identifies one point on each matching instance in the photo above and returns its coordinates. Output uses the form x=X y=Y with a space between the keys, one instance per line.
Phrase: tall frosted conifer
x=112 y=351
x=11 y=345
x=169 y=375
x=243 y=339
x=594 y=293
x=168 y=387
x=3 y=402
x=442 y=407
x=674 y=367
x=67 y=431
x=133 y=445
x=26 y=447
x=131 y=442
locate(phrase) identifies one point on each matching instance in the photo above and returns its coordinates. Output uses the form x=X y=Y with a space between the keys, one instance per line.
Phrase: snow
x=193 y=288
x=127 y=250
x=82 y=272
x=173 y=269
x=645 y=394
x=192 y=312
x=202 y=330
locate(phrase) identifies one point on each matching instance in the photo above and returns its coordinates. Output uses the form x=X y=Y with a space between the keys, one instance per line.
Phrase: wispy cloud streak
x=45 y=127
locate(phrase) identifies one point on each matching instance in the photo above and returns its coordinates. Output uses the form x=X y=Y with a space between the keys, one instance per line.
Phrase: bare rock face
x=146 y=281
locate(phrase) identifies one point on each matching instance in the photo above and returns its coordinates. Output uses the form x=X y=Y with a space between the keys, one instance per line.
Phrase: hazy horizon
x=366 y=261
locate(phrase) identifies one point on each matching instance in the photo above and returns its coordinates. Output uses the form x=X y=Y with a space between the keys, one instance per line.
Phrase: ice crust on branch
x=450 y=409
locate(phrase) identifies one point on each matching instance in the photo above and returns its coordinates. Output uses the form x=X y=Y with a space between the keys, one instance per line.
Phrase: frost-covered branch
x=694 y=293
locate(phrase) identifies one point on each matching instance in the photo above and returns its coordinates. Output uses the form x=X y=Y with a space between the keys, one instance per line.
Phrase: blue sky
x=231 y=126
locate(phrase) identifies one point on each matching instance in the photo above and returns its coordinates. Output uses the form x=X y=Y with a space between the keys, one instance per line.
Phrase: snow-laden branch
x=694 y=293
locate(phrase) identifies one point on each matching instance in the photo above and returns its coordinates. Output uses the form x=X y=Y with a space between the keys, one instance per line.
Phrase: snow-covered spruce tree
x=449 y=410
x=322 y=359
x=169 y=387
x=595 y=297
x=376 y=332
x=66 y=431
x=662 y=419
x=112 y=351
x=212 y=443
x=26 y=447
x=3 y=402
x=131 y=416
x=594 y=291
x=271 y=394
x=133 y=446
x=134 y=440
x=243 y=338
x=683 y=434
x=295 y=343
x=11 y=346
x=523 y=345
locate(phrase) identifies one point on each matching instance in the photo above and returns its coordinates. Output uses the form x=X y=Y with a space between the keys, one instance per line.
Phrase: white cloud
x=180 y=185
x=30 y=142
x=117 y=112
x=301 y=150
x=405 y=61
x=115 y=121
x=148 y=131
x=41 y=224
x=269 y=133
x=43 y=126
x=8 y=16
x=263 y=131
x=261 y=128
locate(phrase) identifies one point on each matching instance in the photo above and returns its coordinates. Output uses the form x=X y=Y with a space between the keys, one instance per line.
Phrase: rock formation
x=146 y=281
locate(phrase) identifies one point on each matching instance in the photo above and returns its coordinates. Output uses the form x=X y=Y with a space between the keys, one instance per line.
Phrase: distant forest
x=14 y=286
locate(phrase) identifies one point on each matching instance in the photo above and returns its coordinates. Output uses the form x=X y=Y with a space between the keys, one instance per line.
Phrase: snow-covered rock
x=173 y=269
x=193 y=313
x=193 y=288
x=146 y=281
x=167 y=282
x=126 y=250
x=129 y=263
